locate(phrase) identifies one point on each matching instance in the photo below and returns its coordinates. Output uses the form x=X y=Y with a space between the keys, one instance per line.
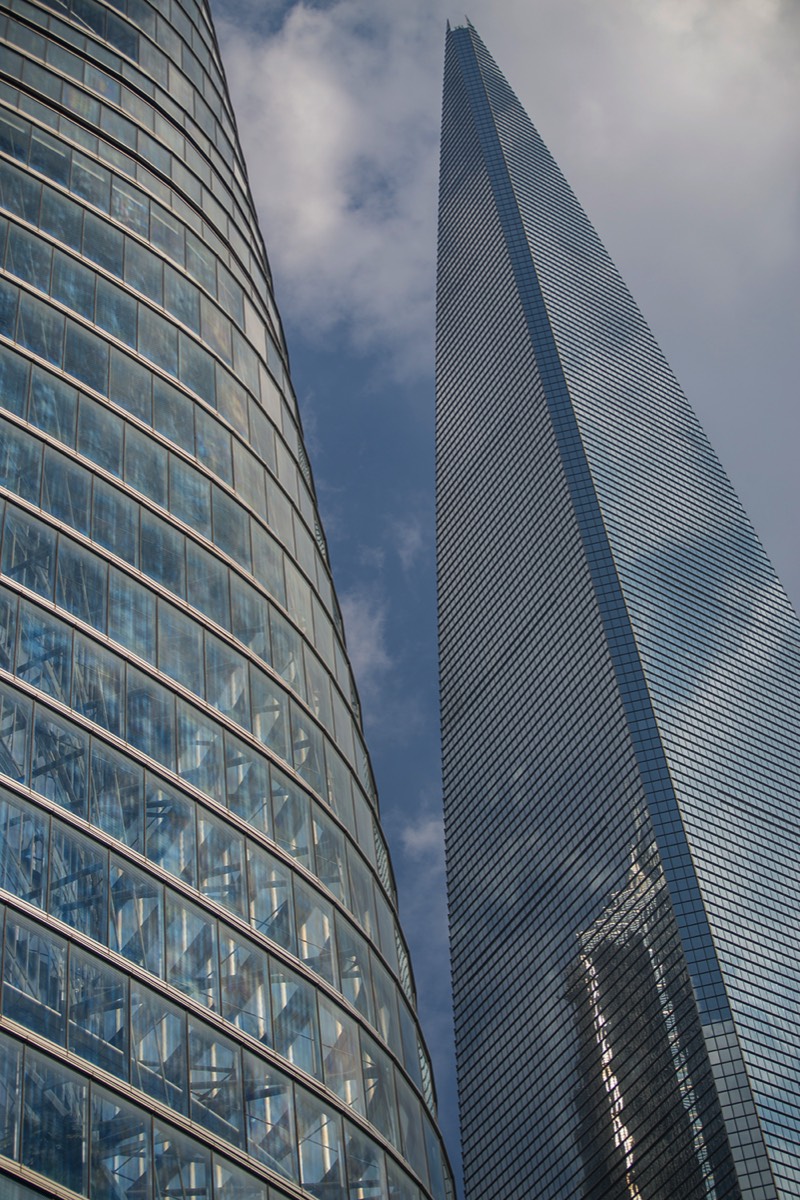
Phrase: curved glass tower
x=621 y=719
x=205 y=992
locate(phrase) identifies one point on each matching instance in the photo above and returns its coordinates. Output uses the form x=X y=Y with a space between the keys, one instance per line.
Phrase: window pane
x=10 y=1095
x=295 y=1021
x=307 y=749
x=200 y=751
x=81 y=584
x=98 y=1013
x=100 y=435
x=115 y=523
x=98 y=685
x=53 y=406
x=79 y=882
x=44 y=658
x=163 y=557
x=341 y=1054
x=24 y=835
x=60 y=767
x=67 y=491
x=54 y=1121
x=250 y=618
x=182 y=1167
x=270 y=1122
x=15 y=724
x=41 y=329
x=270 y=715
x=220 y=853
x=137 y=917
x=381 y=1102
x=20 y=462
x=232 y=1183
x=158 y=1048
x=151 y=718
x=146 y=466
x=354 y=969
x=207 y=584
x=34 y=978
x=271 y=906
x=29 y=552
x=291 y=809
x=330 y=854
x=227 y=683
x=192 y=951
x=173 y=414
x=315 y=942
x=245 y=987
x=180 y=647
x=120 y=1151
x=117 y=795
x=170 y=830
x=132 y=615
x=365 y=1165
x=86 y=357
x=319 y=1139
x=247 y=783
x=215 y=1083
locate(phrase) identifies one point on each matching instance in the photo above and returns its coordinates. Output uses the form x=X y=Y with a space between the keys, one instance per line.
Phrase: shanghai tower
x=205 y=990
x=620 y=675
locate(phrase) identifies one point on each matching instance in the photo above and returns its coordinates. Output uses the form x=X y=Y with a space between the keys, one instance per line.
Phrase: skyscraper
x=620 y=695
x=205 y=991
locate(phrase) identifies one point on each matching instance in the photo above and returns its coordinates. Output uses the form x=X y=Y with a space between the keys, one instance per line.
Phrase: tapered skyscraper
x=621 y=719
x=205 y=991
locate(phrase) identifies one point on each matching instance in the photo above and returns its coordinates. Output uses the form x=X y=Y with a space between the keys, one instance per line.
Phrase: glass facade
x=204 y=989
x=620 y=681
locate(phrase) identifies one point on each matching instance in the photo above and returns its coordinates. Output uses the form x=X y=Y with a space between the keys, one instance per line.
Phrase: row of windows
x=169 y=148
x=76 y=880
x=185 y=236
x=184 y=103
x=57 y=567
x=79 y=1001
x=158 y=340
x=81 y=353
x=88 y=1139
x=228 y=770
x=184 y=76
x=104 y=243
x=169 y=730
x=139 y=537
x=174 y=415
x=100 y=301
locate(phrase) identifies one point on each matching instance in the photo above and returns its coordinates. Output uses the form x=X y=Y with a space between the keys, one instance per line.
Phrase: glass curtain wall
x=204 y=988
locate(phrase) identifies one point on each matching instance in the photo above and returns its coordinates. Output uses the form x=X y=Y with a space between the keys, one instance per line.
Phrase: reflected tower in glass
x=621 y=719
x=205 y=992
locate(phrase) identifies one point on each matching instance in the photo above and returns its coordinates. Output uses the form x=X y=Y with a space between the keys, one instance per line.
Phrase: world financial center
x=205 y=991
x=620 y=705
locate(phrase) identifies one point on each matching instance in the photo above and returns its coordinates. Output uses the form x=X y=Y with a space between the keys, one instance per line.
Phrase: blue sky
x=675 y=122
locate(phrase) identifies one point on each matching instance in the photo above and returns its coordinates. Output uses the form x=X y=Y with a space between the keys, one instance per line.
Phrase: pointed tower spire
x=620 y=674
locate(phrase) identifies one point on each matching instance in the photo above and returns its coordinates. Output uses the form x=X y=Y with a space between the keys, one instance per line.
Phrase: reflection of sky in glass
x=703 y=642
x=718 y=640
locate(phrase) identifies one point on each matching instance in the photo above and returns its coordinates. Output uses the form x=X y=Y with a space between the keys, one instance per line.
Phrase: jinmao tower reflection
x=205 y=991
x=620 y=675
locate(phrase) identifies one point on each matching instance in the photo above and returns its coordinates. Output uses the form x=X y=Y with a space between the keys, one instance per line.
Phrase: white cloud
x=408 y=536
x=424 y=839
x=339 y=117
x=339 y=113
x=364 y=612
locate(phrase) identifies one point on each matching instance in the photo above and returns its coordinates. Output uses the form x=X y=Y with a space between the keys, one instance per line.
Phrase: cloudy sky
x=676 y=123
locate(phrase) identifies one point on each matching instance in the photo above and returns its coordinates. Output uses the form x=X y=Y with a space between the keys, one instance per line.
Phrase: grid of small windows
x=203 y=977
x=619 y=738
x=719 y=646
